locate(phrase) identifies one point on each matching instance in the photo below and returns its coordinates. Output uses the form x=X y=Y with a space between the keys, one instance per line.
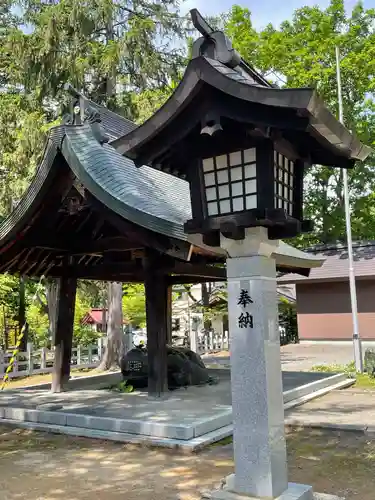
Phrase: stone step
x=145 y=427
x=148 y=426
x=316 y=386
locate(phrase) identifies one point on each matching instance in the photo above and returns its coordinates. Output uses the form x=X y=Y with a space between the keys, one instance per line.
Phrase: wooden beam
x=206 y=252
x=134 y=268
x=199 y=270
x=113 y=244
x=82 y=270
x=180 y=272
x=64 y=333
x=181 y=280
x=8 y=265
x=144 y=236
x=156 y=316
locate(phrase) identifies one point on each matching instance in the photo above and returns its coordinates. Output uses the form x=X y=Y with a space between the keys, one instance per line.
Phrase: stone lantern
x=243 y=146
x=250 y=187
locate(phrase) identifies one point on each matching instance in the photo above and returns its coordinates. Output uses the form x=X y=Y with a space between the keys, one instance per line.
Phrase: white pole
x=353 y=292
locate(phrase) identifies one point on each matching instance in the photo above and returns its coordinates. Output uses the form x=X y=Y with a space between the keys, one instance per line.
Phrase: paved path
x=302 y=357
x=346 y=409
x=349 y=408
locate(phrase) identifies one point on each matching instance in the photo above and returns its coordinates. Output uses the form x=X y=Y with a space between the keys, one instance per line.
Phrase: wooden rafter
x=111 y=244
x=185 y=279
x=198 y=270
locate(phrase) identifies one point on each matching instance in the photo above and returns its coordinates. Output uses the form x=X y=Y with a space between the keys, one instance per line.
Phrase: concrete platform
x=190 y=418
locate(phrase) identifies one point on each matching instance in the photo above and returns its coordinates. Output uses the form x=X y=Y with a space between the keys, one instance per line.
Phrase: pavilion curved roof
x=151 y=199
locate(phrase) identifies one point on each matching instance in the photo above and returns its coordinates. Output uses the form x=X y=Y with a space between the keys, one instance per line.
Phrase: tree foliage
x=301 y=53
x=134 y=304
x=128 y=56
x=91 y=43
x=21 y=144
x=111 y=51
x=38 y=316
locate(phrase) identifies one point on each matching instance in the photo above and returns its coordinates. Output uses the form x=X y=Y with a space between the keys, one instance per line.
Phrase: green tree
x=8 y=22
x=9 y=302
x=40 y=324
x=134 y=304
x=83 y=335
x=21 y=144
x=104 y=48
x=109 y=50
x=147 y=102
x=301 y=53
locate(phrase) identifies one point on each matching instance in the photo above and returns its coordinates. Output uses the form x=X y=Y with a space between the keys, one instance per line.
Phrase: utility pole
x=353 y=292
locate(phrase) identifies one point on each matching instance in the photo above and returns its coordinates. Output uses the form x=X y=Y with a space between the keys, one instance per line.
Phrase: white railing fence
x=37 y=361
x=211 y=341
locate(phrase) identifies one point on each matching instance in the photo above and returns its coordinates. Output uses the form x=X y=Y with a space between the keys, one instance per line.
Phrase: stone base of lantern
x=294 y=492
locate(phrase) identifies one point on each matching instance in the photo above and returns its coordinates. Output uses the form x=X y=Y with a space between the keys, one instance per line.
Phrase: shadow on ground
x=38 y=466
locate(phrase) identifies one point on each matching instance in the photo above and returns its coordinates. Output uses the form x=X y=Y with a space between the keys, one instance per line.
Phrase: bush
x=370 y=362
x=84 y=336
x=288 y=321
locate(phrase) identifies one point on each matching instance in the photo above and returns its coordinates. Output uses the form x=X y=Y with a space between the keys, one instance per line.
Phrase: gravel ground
x=38 y=466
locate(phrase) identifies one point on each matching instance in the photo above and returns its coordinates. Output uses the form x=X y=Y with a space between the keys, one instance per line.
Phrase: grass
x=223 y=442
x=362 y=380
x=123 y=387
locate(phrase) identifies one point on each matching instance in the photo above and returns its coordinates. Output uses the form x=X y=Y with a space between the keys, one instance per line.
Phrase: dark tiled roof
x=239 y=74
x=114 y=124
x=336 y=263
x=24 y=207
x=145 y=196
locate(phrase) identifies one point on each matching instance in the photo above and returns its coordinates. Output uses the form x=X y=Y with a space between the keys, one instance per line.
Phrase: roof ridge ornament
x=81 y=112
x=213 y=44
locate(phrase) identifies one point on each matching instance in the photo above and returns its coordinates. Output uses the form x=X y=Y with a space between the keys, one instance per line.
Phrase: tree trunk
x=104 y=311
x=206 y=290
x=22 y=324
x=115 y=336
x=52 y=290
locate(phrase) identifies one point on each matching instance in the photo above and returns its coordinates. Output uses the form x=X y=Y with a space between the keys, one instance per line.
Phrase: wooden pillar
x=64 y=333
x=156 y=317
x=169 y=315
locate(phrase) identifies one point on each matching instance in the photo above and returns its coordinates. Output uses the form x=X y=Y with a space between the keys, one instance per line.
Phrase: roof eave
x=323 y=125
x=198 y=72
x=185 y=91
x=288 y=258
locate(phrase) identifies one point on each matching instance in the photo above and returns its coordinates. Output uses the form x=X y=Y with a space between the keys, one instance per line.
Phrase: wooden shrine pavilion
x=91 y=213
